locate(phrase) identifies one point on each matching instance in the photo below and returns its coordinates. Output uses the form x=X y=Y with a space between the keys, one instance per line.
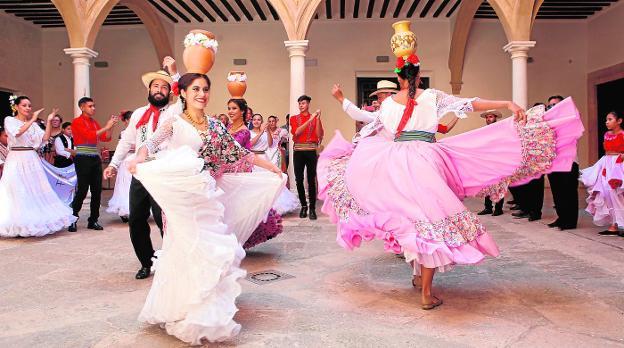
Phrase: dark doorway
x=5 y=107
x=610 y=97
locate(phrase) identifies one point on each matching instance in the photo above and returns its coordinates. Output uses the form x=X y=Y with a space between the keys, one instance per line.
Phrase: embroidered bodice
x=221 y=152
x=243 y=137
x=33 y=137
x=614 y=142
x=431 y=106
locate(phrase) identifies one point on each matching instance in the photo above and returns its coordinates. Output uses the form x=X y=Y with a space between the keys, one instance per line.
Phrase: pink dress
x=604 y=184
x=408 y=192
x=272 y=226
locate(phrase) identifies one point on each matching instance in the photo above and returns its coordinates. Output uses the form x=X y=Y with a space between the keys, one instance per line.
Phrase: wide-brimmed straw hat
x=496 y=113
x=385 y=86
x=156 y=75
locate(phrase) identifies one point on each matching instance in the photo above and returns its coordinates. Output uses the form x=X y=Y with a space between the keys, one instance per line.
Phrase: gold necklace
x=196 y=124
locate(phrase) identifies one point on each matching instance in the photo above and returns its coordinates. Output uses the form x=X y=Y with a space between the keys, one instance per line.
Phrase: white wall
x=606 y=38
x=20 y=54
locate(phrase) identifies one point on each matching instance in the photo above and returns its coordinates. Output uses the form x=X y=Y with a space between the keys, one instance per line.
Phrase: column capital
x=519 y=48
x=81 y=52
x=296 y=47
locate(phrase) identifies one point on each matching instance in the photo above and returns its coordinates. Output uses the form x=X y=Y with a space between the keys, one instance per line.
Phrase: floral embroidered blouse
x=220 y=151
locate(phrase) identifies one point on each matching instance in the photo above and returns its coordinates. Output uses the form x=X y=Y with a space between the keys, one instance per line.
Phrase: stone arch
x=296 y=16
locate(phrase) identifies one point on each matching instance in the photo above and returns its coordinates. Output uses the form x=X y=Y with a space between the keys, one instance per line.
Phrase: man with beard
x=143 y=123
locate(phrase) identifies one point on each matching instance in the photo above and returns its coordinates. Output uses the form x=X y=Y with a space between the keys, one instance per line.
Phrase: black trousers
x=89 y=173
x=141 y=202
x=306 y=160
x=564 y=186
x=499 y=205
x=533 y=197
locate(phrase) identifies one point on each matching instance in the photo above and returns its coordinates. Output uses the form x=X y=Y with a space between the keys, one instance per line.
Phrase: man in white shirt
x=64 y=147
x=385 y=89
x=143 y=123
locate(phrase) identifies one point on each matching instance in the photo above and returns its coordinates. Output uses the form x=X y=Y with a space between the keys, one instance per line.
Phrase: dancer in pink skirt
x=604 y=180
x=395 y=184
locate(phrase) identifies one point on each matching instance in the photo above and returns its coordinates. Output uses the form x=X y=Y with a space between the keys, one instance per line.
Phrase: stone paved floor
x=548 y=288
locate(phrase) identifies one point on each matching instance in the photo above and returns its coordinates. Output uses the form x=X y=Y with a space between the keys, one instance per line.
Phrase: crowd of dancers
x=195 y=174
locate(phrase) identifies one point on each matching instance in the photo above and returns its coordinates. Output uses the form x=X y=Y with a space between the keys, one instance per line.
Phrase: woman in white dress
x=265 y=142
x=203 y=184
x=28 y=205
x=120 y=201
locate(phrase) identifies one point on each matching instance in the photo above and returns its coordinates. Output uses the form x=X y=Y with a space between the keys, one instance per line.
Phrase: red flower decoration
x=413 y=59
x=619 y=159
x=174 y=88
x=615 y=183
x=604 y=171
x=400 y=63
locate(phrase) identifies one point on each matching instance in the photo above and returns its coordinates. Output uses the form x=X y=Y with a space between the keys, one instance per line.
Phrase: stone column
x=519 y=51
x=82 y=86
x=296 y=51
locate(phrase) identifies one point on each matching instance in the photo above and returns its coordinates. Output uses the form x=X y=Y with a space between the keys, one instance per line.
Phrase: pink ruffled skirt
x=606 y=196
x=409 y=194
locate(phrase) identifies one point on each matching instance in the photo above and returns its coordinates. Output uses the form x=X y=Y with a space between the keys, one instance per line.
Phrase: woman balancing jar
x=200 y=47
x=403 y=42
x=237 y=84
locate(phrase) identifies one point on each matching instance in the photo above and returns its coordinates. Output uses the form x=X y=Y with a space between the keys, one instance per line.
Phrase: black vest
x=61 y=161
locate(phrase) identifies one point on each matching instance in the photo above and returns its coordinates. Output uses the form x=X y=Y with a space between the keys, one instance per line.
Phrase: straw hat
x=160 y=75
x=385 y=86
x=496 y=113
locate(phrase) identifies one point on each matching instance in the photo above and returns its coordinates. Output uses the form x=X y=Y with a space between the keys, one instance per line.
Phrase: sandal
x=608 y=233
x=432 y=305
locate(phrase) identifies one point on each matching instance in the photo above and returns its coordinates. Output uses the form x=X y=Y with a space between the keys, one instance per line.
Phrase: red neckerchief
x=146 y=117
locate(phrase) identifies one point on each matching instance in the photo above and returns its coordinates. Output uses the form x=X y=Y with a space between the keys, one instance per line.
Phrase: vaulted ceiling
x=43 y=12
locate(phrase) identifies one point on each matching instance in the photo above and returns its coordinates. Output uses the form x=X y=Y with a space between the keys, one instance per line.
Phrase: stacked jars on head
x=403 y=42
x=200 y=47
x=237 y=84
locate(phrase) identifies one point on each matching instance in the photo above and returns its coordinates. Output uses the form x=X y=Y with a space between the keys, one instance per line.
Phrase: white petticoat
x=196 y=281
x=28 y=205
x=119 y=203
x=604 y=203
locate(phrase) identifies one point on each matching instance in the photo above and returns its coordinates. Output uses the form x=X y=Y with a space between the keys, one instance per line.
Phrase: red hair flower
x=413 y=59
x=400 y=63
x=174 y=88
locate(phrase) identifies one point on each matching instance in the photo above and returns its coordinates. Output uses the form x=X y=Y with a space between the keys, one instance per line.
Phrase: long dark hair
x=617 y=115
x=411 y=73
x=186 y=80
x=17 y=101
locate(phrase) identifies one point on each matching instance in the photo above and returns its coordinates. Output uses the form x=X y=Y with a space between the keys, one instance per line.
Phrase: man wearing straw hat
x=491 y=116
x=143 y=123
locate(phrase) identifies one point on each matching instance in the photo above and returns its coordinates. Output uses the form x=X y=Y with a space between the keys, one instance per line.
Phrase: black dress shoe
x=554 y=224
x=312 y=214
x=520 y=214
x=94 y=226
x=73 y=227
x=497 y=213
x=515 y=207
x=535 y=217
x=143 y=273
x=304 y=212
x=124 y=219
x=485 y=212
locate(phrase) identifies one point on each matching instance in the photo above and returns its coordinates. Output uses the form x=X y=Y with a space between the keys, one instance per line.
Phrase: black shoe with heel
x=312 y=214
x=304 y=212
x=95 y=226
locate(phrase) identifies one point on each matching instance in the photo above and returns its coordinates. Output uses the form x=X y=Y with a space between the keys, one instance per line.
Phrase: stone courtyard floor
x=548 y=288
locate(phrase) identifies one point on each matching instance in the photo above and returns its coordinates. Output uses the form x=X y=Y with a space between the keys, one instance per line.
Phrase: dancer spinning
x=272 y=226
x=30 y=207
x=142 y=125
x=399 y=186
x=119 y=203
x=604 y=179
x=195 y=284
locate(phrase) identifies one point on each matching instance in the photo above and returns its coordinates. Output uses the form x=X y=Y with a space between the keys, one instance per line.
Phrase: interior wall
x=605 y=39
x=21 y=56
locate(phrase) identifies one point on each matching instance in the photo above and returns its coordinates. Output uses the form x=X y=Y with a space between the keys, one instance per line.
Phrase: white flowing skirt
x=197 y=271
x=603 y=181
x=287 y=201
x=29 y=207
x=120 y=201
